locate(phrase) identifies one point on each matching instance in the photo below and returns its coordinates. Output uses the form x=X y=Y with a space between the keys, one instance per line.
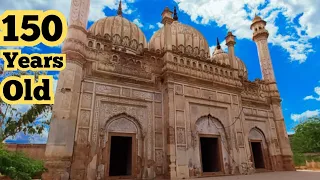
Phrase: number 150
x=30 y=27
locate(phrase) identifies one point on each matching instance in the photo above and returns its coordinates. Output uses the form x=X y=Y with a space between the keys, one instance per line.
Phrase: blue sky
x=294 y=40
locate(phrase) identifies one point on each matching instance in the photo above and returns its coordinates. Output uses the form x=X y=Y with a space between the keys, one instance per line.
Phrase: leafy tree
x=307 y=136
x=12 y=121
x=18 y=166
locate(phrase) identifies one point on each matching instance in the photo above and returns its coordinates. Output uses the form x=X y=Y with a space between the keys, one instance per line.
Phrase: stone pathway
x=298 y=175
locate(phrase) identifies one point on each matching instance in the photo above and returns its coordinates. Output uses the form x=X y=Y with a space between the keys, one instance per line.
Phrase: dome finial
x=120 y=9
x=218 y=44
x=175 y=14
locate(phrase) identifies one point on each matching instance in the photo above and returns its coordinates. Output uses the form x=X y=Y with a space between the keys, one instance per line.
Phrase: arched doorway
x=123 y=145
x=212 y=146
x=259 y=149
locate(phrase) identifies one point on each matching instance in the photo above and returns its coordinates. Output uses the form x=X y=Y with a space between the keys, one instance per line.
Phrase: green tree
x=18 y=166
x=306 y=138
x=12 y=121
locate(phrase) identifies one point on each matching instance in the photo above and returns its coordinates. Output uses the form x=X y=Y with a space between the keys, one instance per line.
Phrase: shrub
x=18 y=166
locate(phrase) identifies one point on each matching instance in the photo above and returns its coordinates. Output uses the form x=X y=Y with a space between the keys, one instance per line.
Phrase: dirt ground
x=297 y=175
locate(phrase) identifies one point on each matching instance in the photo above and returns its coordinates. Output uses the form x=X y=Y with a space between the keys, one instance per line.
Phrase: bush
x=300 y=159
x=18 y=166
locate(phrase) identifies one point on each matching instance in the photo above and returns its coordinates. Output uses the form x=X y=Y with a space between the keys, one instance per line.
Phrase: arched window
x=90 y=44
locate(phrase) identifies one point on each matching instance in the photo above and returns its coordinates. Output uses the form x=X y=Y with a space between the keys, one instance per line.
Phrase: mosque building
x=165 y=108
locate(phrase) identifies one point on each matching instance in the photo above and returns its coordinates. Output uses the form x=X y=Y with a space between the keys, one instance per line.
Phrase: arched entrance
x=123 y=145
x=259 y=149
x=212 y=146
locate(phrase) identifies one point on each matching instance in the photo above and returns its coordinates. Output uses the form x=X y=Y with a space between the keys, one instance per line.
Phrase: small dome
x=222 y=58
x=121 y=31
x=256 y=19
x=185 y=38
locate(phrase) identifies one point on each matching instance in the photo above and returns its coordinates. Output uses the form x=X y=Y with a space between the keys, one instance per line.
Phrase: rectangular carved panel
x=235 y=99
x=142 y=95
x=180 y=118
x=262 y=113
x=158 y=97
x=126 y=92
x=84 y=119
x=158 y=109
x=181 y=156
x=240 y=139
x=87 y=86
x=189 y=91
x=82 y=136
x=158 y=124
x=104 y=89
x=223 y=97
x=179 y=101
x=159 y=140
x=86 y=100
x=181 y=136
x=159 y=161
x=179 y=89
x=211 y=95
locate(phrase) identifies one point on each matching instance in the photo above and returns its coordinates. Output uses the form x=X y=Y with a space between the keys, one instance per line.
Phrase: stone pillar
x=60 y=145
x=260 y=36
x=230 y=42
x=169 y=116
x=167 y=21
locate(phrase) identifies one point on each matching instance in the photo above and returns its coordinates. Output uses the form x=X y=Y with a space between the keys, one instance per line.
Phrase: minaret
x=230 y=42
x=260 y=37
x=167 y=21
x=60 y=145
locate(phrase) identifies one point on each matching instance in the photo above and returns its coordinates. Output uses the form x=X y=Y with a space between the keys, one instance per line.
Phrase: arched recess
x=123 y=125
x=209 y=126
x=257 y=140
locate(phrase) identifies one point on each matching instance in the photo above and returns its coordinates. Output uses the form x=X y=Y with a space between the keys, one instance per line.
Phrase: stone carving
x=86 y=100
x=79 y=13
x=171 y=136
x=122 y=125
x=82 y=136
x=142 y=95
x=84 y=118
x=104 y=89
x=181 y=136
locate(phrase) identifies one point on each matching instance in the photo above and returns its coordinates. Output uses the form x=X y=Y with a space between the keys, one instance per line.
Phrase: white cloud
x=151 y=26
x=305 y=115
x=137 y=22
x=236 y=17
x=311 y=97
x=160 y=25
x=96 y=6
x=223 y=45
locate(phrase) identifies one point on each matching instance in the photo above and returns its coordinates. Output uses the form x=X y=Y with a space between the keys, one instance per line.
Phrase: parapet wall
x=35 y=151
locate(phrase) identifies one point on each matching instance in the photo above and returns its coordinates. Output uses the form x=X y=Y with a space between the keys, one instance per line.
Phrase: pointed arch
x=257 y=134
x=209 y=124
x=128 y=123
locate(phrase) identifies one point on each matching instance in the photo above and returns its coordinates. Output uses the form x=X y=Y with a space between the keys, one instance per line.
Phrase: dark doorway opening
x=210 y=154
x=257 y=155
x=120 y=156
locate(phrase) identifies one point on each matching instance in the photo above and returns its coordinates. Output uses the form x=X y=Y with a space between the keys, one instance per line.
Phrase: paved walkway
x=298 y=175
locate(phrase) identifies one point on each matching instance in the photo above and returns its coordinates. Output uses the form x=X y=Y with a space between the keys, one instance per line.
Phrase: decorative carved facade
x=164 y=95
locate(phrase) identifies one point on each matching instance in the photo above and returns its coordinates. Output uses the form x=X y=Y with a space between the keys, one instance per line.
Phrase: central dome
x=185 y=39
x=121 y=31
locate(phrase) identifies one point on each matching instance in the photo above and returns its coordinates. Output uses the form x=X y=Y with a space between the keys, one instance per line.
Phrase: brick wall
x=35 y=151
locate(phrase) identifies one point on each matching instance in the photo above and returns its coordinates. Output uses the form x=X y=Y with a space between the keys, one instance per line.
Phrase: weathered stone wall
x=193 y=104
x=35 y=151
x=106 y=108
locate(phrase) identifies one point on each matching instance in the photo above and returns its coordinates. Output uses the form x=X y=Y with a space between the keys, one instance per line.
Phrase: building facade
x=129 y=108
